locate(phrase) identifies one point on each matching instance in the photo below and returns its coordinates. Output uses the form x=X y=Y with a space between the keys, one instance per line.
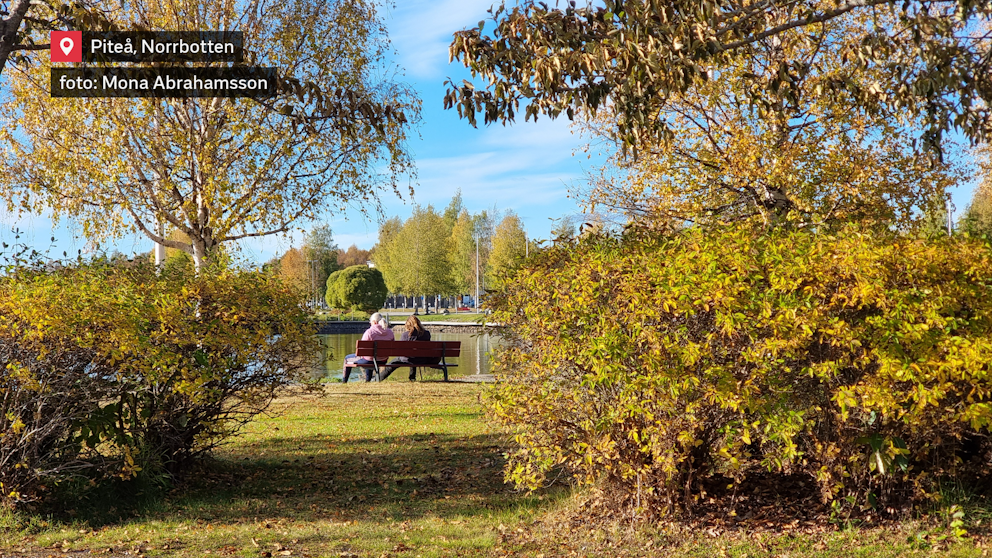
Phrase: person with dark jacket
x=413 y=331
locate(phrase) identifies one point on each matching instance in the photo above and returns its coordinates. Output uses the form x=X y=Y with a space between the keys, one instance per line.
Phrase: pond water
x=473 y=360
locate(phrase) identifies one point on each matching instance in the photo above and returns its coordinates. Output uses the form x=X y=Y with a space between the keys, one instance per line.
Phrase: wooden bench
x=381 y=350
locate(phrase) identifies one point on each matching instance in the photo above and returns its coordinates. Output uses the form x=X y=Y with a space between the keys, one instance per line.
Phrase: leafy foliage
x=358 y=287
x=814 y=161
x=294 y=270
x=416 y=259
x=219 y=170
x=630 y=57
x=859 y=359
x=117 y=371
x=25 y=25
x=978 y=217
x=307 y=268
x=463 y=253
x=509 y=249
x=352 y=256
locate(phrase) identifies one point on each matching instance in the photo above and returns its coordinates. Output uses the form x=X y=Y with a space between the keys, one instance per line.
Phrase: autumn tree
x=978 y=217
x=353 y=256
x=418 y=259
x=25 y=25
x=484 y=226
x=811 y=162
x=454 y=209
x=509 y=249
x=14 y=36
x=630 y=58
x=463 y=253
x=381 y=255
x=293 y=269
x=471 y=244
x=220 y=169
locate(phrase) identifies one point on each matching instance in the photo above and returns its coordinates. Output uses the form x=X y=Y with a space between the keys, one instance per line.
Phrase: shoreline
x=332 y=328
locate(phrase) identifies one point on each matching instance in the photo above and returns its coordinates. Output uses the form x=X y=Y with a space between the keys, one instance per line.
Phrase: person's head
x=413 y=325
x=376 y=318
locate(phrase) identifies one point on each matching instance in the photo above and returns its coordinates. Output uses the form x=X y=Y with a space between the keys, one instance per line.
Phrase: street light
x=477 y=274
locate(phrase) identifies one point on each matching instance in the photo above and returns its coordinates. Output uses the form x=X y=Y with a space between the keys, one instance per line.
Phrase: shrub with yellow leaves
x=116 y=370
x=861 y=359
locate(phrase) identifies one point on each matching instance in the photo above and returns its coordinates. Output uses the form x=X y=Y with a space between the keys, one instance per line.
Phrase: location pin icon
x=67 y=46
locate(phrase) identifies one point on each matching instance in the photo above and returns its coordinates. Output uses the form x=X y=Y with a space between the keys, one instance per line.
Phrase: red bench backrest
x=425 y=349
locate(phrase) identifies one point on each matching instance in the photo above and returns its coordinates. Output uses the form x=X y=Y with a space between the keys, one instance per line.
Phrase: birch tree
x=418 y=258
x=463 y=253
x=218 y=169
x=509 y=247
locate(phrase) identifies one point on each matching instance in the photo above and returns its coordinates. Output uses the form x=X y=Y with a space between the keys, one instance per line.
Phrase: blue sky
x=527 y=167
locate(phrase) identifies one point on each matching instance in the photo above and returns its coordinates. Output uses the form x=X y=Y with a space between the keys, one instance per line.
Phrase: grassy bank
x=366 y=470
x=407 y=470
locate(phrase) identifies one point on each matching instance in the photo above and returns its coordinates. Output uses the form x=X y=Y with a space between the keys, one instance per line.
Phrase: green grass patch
x=366 y=469
x=407 y=470
x=467 y=318
x=340 y=316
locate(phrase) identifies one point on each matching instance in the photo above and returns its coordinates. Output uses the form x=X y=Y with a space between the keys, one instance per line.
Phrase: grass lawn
x=337 y=315
x=366 y=469
x=401 y=470
x=470 y=318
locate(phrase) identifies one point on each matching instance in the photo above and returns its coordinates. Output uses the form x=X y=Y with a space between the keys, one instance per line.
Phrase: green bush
x=333 y=293
x=125 y=371
x=651 y=362
x=358 y=287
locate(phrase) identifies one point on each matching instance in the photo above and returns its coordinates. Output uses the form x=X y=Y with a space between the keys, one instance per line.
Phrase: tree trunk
x=8 y=30
x=199 y=255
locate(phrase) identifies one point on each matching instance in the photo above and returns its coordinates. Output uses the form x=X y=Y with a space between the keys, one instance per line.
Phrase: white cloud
x=421 y=31
x=547 y=135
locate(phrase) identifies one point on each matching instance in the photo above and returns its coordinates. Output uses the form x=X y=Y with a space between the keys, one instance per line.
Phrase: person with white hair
x=378 y=331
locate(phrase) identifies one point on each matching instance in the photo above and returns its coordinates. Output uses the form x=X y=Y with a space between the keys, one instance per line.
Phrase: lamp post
x=476 y=274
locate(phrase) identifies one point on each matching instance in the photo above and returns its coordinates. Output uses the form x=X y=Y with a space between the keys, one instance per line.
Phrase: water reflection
x=473 y=360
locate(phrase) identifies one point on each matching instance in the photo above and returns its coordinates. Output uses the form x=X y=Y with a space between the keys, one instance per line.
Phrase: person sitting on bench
x=378 y=331
x=413 y=331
